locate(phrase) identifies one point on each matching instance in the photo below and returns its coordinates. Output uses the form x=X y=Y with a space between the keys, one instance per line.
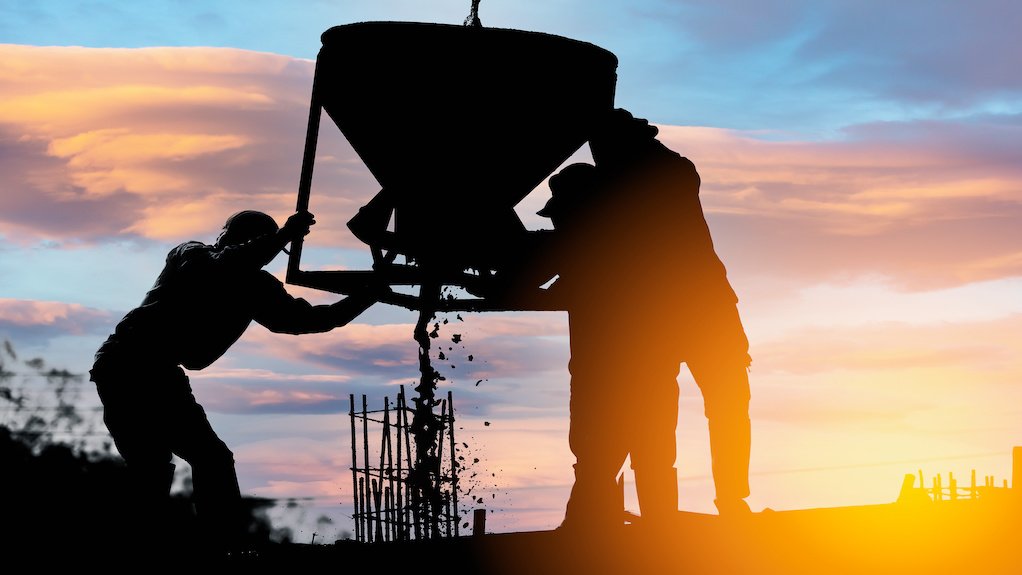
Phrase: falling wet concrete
x=426 y=426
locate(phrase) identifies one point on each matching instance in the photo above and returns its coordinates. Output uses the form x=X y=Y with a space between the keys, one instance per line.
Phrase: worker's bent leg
x=135 y=416
x=653 y=414
x=217 y=496
x=725 y=389
x=216 y=493
x=596 y=438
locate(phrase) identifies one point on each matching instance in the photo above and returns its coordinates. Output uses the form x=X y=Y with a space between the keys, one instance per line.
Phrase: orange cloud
x=102 y=160
x=851 y=187
x=58 y=111
x=999 y=265
x=190 y=135
x=928 y=205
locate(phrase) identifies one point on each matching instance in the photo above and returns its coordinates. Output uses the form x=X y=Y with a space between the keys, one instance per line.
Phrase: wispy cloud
x=488 y=346
x=929 y=205
x=53 y=318
x=164 y=143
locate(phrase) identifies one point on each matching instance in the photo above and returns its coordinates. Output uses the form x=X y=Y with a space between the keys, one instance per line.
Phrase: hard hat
x=245 y=226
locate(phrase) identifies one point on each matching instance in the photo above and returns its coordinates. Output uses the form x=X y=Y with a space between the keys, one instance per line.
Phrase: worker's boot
x=595 y=505
x=218 y=506
x=151 y=524
x=657 y=491
x=730 y=449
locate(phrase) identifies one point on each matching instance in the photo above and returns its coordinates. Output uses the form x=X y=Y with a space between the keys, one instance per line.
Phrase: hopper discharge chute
x=458 y=124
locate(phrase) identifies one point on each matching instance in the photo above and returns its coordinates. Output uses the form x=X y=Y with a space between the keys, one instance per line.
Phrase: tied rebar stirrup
x=473 y=15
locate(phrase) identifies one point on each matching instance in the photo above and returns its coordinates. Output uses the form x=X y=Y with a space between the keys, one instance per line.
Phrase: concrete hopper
x=457 y=124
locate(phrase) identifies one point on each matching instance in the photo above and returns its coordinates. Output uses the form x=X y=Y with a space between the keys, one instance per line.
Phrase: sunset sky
x=862 y=178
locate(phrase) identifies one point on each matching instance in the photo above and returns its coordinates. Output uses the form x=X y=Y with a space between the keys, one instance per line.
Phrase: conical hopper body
x=460 y=123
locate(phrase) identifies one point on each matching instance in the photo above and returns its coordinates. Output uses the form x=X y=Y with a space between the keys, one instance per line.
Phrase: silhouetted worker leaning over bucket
x=645 y=291
x=201 y=303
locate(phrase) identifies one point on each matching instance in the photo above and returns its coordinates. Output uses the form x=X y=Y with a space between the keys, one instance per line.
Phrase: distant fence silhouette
x=952 y=490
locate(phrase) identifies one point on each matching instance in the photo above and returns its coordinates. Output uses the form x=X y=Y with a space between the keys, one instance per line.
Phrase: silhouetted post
x=938 y=489
x=952 y=488
x=478 y=522
x=907 y=484
x=1016 y=469
x=973 y=494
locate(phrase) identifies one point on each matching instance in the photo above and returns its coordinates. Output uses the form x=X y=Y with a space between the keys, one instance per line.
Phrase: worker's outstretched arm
x=346 y=310
x=280 y=312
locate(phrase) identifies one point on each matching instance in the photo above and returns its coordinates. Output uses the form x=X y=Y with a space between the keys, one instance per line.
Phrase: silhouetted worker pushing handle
x=645 y=291
x=203 y=300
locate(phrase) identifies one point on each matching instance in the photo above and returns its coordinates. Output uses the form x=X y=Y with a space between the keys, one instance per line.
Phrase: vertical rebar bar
x=378 y=515
x=383 y=437
x=354 y=465
x=454 y=461
x=388 y=504
x=391 y=481
x=411 y=491
x=365 y=450
x=445 y=501
x=401 y=430
x=362 y=519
